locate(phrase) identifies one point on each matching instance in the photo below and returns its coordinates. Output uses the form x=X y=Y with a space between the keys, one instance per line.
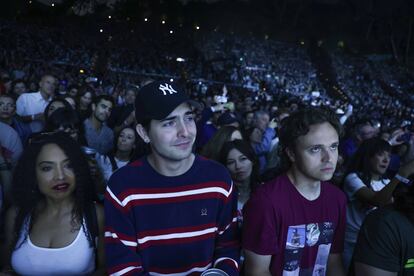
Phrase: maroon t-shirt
x=298 y=233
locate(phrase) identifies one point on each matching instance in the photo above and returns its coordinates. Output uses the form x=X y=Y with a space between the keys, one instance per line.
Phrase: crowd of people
x=198 y=153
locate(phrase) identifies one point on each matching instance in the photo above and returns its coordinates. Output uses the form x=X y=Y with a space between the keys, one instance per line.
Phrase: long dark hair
x=245 y=148
x=360 y=161
x=26 y=195
x=213 y=147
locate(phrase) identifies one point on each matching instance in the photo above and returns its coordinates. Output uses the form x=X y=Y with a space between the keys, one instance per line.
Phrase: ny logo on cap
x=167 y=88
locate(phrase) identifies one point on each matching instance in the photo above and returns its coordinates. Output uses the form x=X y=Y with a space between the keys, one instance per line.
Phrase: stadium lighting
x=180 y=59
x=171 y=80
x=146 y=19
x=163 y=22
x=109 y=17
x=171 y=31
x=100 y=30
x=53 y=4
x=197 y=27
x=81 y=71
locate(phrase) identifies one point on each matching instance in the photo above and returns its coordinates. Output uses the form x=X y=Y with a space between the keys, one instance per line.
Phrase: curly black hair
x=298 y=124
x=26 y=195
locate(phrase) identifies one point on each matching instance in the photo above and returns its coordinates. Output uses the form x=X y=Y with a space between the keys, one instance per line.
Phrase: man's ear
x=291 y=155
x=142 y=133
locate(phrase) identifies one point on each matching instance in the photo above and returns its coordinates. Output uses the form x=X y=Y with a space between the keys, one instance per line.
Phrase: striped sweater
x=182 y=225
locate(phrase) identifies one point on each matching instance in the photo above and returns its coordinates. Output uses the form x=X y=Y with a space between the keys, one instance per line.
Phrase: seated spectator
x=261 y=139
x=366 y=188
x=296 y=222
x=72 y=101
x=361 y=130
x=54 y=227
x=123 y=115
x=66 y=120
x=97 y=134
x=53 y=105
x=9 y=117
x=241 y=161
x=30 y=106
x=123 y=153
x=385 y=243
x=85 y=98
x=212 y=149
x=18 y=87
x=10 y=144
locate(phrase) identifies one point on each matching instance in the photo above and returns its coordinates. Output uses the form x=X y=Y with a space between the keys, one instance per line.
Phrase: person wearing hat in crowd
x=171 y=211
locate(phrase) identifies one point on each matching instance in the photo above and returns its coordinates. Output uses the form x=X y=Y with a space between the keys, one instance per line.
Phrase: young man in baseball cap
x=171 y=212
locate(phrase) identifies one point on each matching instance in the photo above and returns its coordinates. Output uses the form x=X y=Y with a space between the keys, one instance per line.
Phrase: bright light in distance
x=171 y=80
x=146 y=19
x=180 y=59
x=171 y=31
x=81 y=71
x=109 y=16
x=100 y=30
x=163 y=22
x=197 y=27
x=53 y=4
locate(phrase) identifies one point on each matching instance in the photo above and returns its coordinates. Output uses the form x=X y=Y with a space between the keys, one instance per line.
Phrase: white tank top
x=78 y=258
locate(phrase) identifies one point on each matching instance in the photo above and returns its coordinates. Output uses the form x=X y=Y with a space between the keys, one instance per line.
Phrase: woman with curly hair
x=53 y=227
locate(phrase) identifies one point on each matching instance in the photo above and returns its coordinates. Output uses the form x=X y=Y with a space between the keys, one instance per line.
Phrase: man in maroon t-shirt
x=294 y=225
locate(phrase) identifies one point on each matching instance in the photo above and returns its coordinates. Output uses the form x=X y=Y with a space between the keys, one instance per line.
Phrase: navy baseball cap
x=156 y=100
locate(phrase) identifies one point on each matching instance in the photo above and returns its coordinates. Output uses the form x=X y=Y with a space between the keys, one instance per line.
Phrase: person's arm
x=100 y=258
x=121 y=246
x=335 y=265
x=368 y=270
x=256 y=264
x=383 y=197
x=266 y=143
x=227 y=246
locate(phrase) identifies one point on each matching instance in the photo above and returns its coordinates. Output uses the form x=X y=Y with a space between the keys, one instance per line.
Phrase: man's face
x=249 y=119
x=48 y=85
x=129 y=97
x=7 y=107
x=262 y=121
x=102 y=110
x=172 y=138
x=19 y=88
x=315 y=154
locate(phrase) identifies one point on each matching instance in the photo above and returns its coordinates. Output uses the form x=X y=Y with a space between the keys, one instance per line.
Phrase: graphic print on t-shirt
x=300 y=237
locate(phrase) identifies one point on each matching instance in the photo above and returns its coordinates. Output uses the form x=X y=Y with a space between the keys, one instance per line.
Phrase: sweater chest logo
x=204 y=212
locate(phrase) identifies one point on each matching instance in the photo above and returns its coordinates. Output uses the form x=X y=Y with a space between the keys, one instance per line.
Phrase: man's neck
x=7 y=121
x=123 y=155
x=169 y=167
x=308 y=188
x=44 y=95
x=96 y=124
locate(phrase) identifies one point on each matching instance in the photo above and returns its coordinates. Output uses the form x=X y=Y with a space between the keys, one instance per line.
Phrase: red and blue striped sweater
x=182 y=225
